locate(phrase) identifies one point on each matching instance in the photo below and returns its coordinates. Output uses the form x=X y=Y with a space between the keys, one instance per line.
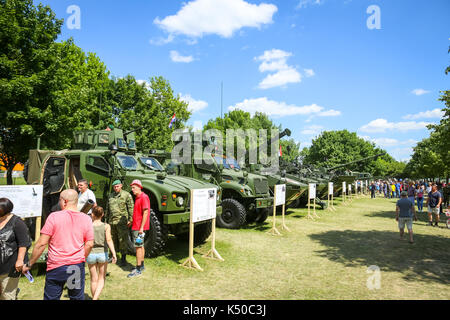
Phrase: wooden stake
x=37 y=233
x=212 y=253
x=283 y=225
x=274 y=231
x=190 y=262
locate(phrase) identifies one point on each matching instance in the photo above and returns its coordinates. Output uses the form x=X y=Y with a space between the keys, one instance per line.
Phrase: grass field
x=323 y=259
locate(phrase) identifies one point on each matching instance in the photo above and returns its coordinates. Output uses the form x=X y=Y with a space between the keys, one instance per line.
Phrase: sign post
x=203 y=207
x=330 y=197
x=27 y=200
x=350 y=192
x=312 y=195
x=344 y=190
x=279 y=199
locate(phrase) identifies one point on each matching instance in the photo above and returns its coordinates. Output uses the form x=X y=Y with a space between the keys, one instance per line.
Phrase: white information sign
x=204 y=204
x=330 y=188
x=350 y=188
x=280 y=194
x=312 y=190
x=27 y=199
x=344 y=186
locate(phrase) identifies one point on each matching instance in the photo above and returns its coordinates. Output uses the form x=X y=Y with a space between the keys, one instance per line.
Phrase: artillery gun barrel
x=356 y=161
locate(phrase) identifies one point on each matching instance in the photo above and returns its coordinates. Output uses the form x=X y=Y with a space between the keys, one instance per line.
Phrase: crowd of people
x=89 y=241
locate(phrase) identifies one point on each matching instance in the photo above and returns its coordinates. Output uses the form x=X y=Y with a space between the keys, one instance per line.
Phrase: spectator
x=98 y=258
x=433 y=203
x=119 y=216
x=419 y=194
x=405 y=211
x=372 y=190
x=141 y=223
x=393 y=189
x=69 y=235
x=397 y=189
x=411 y=192
x=84 y=195
x=14 y=244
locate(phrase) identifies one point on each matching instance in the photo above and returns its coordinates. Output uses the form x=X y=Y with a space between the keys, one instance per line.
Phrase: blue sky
x=312 y=65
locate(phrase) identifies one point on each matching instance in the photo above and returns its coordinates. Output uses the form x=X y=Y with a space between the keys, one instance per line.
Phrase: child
x=98 y=258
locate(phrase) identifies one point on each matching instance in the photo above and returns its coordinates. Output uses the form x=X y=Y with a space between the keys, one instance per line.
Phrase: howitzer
x=355 y=161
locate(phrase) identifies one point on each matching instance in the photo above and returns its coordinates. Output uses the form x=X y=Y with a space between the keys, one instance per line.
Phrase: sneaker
x=430 y=223
x=436 y=225
x=134 y=273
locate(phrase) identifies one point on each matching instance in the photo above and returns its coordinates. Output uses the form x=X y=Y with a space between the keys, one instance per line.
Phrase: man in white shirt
x=84 y=195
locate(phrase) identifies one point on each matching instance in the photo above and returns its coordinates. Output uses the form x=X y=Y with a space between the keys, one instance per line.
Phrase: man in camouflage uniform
x=119 y=216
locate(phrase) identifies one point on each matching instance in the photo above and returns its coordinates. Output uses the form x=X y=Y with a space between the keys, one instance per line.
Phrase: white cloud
x=280 y=78
x=176 y=57
x=309 y=72
x=222 y=17
x=329 y=113
x=275 y=108
x=275 y=60
x=419 y=92
x=381 y=125
x=162 y=41
x=305 y=3
x=194 y=105
x=312 y=130
x=144 y=82
x=435 y=113
x=389 y=142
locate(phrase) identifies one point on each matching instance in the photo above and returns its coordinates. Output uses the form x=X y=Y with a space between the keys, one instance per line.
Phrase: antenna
x=221 y=101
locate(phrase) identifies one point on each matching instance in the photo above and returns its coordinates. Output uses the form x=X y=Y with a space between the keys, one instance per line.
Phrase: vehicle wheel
x=233 y=214
x=201 y=232
x=155 y=239
x=262 y=215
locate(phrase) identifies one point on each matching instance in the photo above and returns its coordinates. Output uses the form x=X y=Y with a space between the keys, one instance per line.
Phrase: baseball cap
x=137 y=182
x=116 y=182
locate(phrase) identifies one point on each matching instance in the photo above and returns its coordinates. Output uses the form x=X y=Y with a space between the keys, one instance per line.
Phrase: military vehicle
x=245 y=196
x=102 y=156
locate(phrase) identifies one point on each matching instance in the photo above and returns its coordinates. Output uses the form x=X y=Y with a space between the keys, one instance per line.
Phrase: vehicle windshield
x=228 y=163
x=151 y=163
x=128 y=162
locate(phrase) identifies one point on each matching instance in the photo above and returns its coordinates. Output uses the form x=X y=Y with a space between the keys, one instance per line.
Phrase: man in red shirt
x=141 y=223
x=69 y=235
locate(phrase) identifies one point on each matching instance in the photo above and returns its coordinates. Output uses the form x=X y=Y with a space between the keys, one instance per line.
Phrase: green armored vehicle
x=245 y=196
x=102 y=156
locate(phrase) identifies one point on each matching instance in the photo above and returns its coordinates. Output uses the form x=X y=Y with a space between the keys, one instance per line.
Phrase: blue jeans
x=71 y=275
x=420 y=204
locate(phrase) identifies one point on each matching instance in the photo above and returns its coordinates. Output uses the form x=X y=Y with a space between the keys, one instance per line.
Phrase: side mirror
x=161 y=175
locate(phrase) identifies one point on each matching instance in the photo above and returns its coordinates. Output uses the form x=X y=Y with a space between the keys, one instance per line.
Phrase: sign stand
x=274 y=231
x=312 y=195
x=202 y=207
x=344 y=191
x=330 y=197
x=350 y=193
x=37 y=233
x=190 y=262
x=283 y=225
x=212 y=253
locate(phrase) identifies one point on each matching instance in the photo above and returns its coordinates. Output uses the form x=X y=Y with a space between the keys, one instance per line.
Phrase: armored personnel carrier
x=245 y=196
x=102 y=156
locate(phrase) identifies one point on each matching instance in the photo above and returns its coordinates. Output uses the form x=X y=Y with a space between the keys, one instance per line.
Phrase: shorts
x=8 y=287
x=94 y=258
x=433 y=210
x=403 y=221
x=135 y=235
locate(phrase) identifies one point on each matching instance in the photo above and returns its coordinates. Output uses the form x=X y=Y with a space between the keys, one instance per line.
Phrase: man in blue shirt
x=397 y=189
x=405 y=211
x=433 y=203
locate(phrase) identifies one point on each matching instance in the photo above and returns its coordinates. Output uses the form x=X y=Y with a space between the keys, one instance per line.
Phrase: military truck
x=245 y=196
x=102 y=156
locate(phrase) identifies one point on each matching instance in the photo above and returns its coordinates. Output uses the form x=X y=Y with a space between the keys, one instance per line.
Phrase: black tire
x=202 y=231
x=262 y=215
x=233 y=214
x=155 y=239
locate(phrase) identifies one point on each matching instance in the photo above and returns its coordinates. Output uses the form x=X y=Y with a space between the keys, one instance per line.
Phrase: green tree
x=334 y=148
x=149 y=108
x=27 y=35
